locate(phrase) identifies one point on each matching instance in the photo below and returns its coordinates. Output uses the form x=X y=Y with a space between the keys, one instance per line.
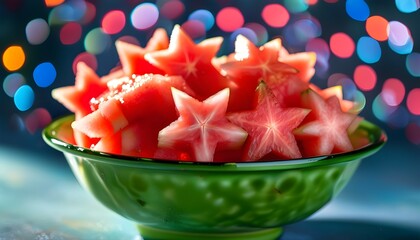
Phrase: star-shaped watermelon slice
x=249 y=65
x=132 y=56
x=77 y=98
x=256 y=62
x=270 y=127
x=337 y=91
x=202 y=126
x=326 y=129
x=304 y=62
x=87 y=86
x=192 y=62
x=147 y=96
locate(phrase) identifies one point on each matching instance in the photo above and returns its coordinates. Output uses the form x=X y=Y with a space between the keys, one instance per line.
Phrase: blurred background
x=371 y=48
x=368 y=47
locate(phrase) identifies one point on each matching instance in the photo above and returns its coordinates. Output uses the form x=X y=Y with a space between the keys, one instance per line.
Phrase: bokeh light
x=296 y=6
x=399 y=118
x=377 y=28
x=129 y=39
x=322 y=50
x=365 y=77
x=70 y=33
x=172 y=9
x=69 y=11
x=413 y=133
x=336 y=79
x=260 y=31
x=413 y=100
x=413 y=64
x=300 y=30
x=398 y=33
x=113 y=22
x=90 y=13
x=37 y=31
x=204 y=16
x=381 y=110
x=87 y=58
x=359 y=101
x=13 y=58
x=368 y=50
x=275 y=15
x=404 y=49
x=44 y=74
x=407 y=6
x=12 y=83
x=195 y=29
x=229 y=19
x=348 y=87
x=342 y=45
x=365 y=39
x=96 y=41
x=400 y=39
x=144 y=16
x=357 y=9
x=53 y=3
x=307 y=28
x=24 y=98
x=246 y=32
x=393 y=92
x=37 y=120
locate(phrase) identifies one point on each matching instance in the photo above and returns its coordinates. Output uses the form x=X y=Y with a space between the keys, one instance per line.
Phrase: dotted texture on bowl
x=202 y=201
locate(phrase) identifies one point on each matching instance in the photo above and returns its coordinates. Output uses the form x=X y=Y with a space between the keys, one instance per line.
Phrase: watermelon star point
x=270 y=127
x=191 y=61
x=202 y=126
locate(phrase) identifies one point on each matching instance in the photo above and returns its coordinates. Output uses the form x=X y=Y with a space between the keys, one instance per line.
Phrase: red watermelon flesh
x=249 y=66
x=202 y=127
x=257 y=62
x=132 y=56
x=337 y=91
x=270 y=127
x=254 y=104
x=325 y=130
x=304 y=62
x=77 y=98
x=87 y=86
x=192 y=62
x=132 y=100
x=138 y=139
x=287 y=89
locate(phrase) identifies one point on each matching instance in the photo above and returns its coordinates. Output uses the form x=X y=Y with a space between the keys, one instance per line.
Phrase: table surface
x=41 y=199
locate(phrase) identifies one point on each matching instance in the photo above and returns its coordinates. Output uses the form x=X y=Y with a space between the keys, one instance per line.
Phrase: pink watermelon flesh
x=325 y=130
x=273 y=111
x=202 y=126
x=77 y=98
x=192 y=62
x=249 y=66
x=132 y=100
x=270 y=127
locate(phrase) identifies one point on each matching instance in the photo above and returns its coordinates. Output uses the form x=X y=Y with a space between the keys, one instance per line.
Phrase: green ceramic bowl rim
x=378 y=139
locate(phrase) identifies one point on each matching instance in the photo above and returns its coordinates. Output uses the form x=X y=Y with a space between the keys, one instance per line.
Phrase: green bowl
x=182 y=200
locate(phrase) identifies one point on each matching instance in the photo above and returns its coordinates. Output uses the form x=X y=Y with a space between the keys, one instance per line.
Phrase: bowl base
x=151 y=233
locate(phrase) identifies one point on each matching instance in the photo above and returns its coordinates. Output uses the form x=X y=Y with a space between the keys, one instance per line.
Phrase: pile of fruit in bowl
x=193 y=146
